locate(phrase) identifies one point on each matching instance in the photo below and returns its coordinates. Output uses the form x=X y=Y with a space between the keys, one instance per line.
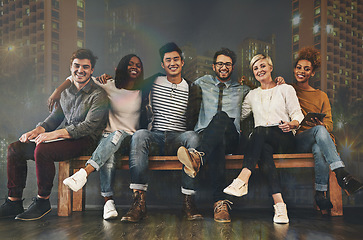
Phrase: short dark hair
x=84 y=54
x=227 y=52
x=170 y=47
x=122 y=76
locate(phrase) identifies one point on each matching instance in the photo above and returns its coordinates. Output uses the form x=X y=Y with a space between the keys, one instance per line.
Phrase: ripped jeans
x=103 y=158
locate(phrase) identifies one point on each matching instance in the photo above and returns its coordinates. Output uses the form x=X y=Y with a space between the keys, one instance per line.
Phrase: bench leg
x=79 y=198
x=64 y=194
x=336 y=197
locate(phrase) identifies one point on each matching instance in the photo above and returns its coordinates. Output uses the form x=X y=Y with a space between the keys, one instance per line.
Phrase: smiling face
x=134 y=68
x=81 y=71
x=172 y=63
x=223 y=68
x=303 y=71
x=262 y=70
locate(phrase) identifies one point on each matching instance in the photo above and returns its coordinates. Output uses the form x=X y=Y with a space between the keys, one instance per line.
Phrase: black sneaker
x=38 y=209
x=11 y=208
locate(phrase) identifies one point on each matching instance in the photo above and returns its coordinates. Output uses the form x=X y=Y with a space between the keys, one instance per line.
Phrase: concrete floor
x=169 y=224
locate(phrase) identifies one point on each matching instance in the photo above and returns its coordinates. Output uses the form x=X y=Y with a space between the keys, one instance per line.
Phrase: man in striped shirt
x=168 y=106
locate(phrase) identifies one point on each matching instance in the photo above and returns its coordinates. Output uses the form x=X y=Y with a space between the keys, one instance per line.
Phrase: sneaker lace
x=200 y=154
x=223 y=205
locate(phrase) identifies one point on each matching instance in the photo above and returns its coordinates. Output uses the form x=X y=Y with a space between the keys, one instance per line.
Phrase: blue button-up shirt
x=231 y=101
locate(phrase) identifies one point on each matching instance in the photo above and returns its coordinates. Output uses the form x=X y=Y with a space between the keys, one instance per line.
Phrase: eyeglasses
x=220 y=64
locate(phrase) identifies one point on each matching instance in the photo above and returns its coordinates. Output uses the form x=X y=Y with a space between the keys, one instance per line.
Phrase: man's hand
x=47 y=136
x=103 y=78
x=279 y=80
x=31 y=134
x=53 y=100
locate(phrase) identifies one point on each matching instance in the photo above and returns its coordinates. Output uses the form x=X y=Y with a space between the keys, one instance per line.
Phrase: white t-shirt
x=270 y=106
x=169 y=104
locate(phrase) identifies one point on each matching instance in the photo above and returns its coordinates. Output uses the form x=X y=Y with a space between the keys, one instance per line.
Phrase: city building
x=120 y=30
x=37 y=38
x=195 y=65
x=249 y=48
x=335 y=27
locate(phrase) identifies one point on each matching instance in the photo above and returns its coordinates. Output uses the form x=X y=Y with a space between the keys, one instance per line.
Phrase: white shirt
x=271 y=106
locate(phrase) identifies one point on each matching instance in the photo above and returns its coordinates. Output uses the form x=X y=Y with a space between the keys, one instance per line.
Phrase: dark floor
x=169 y=224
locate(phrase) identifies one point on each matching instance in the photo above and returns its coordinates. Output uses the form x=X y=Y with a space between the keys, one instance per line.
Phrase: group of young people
x=165 y=114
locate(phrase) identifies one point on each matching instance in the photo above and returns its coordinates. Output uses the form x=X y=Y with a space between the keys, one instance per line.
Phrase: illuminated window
x=80 y=3
x=80 y=24
x=296 y=38
x=296 y=20
x=316 y=28
x=80 y=43
x=317 y=11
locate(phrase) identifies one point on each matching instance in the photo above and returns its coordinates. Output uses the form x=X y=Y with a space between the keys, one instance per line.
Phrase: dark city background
x=206 y=25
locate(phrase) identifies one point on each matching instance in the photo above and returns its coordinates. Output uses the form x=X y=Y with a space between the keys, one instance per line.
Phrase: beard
x=223 y=78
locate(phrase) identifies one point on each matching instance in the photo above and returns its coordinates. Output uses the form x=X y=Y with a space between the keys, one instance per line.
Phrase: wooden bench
x=69 y=201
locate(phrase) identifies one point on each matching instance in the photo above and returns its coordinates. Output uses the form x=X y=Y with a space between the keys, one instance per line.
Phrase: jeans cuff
x=138 y=186
x=321 y=187
x=188 y=191
x=106 y=194
x=337 y=164
x=93 y=164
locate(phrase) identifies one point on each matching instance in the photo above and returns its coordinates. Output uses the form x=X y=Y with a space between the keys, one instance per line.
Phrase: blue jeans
x=166 y=143
x=318 y=141
x=103 y=159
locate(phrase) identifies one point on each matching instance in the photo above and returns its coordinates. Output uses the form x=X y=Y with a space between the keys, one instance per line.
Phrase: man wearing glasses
x=218 y=127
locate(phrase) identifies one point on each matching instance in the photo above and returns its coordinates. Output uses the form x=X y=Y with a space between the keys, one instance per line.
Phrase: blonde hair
x=260 y=57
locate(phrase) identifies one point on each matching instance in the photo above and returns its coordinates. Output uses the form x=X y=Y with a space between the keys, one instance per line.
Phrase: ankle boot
x=190 y=210
x=322 y=201
x=347 y=182
x=138 y=208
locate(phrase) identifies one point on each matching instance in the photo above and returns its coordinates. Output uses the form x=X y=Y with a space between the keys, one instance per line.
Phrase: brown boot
x=189 y=208
x=138 y=208
x=221 y=213
x=191 y=159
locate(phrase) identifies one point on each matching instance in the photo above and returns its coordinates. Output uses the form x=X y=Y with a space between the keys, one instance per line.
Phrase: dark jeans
x=45 y=154
x=263 y=143
x=219 y=138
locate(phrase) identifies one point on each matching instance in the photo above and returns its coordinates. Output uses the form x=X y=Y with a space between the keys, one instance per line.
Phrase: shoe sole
x=124 y=220
x=32 y=219
x=184 y=158
x=222 y=220
x=232 y=194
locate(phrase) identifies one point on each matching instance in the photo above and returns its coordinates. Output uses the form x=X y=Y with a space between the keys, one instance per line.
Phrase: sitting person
x=124 y=120
x=70 y=130
x=276 y=112
x=316 y=137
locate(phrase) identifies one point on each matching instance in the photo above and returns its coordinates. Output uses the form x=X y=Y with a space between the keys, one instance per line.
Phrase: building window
x=80 y=3
x=296 y=38
x=80 y=43
x=80 y=24
x=317 y=11
x=55 y=25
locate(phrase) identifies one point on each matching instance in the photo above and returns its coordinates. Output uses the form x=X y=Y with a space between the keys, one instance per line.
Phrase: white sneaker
x=77 y=180
x=237 y=188
x=109 y=210
x=280 y=213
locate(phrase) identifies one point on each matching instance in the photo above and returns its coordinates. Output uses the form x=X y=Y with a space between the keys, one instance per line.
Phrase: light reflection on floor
x=169 y=224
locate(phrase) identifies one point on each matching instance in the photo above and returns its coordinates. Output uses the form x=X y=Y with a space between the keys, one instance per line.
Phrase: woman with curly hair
x=315 y=136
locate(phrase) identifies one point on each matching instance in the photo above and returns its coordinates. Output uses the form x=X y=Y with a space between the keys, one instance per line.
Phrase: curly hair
x=310 y=54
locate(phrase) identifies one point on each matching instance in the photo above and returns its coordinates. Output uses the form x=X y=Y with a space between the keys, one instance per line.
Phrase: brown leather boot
x=138 y=208
x=189 y=208
x=221 y=213
x=191 y=159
